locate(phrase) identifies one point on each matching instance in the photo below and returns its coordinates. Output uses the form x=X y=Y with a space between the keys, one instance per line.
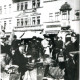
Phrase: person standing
x=55 y=49
x=59 y=47
x=34 y=48
x=46 y=46
x=5 y=53
x=20 y=60
x=70 y=65
x=14 y=44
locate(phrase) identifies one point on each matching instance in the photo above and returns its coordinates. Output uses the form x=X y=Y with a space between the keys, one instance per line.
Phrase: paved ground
x=40 y=76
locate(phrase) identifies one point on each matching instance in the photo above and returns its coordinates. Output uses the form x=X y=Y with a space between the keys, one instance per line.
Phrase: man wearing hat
x=69 y=68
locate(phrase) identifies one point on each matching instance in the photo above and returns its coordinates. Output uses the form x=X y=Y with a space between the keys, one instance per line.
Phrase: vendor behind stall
x=35 y=48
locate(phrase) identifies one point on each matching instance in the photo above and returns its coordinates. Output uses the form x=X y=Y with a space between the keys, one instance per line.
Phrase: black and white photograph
x=39 y=39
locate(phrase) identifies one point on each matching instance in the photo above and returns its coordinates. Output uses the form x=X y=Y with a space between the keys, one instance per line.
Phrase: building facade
x=61 y=13
x=48 y=16
x=22 y=16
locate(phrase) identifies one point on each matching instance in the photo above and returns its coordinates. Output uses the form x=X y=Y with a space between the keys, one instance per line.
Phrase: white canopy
x=30 y=34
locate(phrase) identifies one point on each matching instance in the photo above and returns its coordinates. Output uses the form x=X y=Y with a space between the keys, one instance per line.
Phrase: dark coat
x=14 y=44
x=69 y=48
x=70 y=68
x=3 y=50
x=6 y=49
x=20 y=60
x=60 y=44
x=34 y=49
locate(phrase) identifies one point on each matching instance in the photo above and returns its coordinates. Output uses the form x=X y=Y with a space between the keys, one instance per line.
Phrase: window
x=0 y=10
x=77 y=13
x=33 y=3
x=50 y=16
x=38 y=3
x=21 y=22
x=25 y=5
x=10 y=24
x=9 y=21
x=18 y=6
x=33 y=20
x=9 y=8
x=26 y=21
x=4 y=24
x=38 y=20
x=21 y=6
x=57 y=16
x=5 y=9
x=18 y=22
x=64 y=15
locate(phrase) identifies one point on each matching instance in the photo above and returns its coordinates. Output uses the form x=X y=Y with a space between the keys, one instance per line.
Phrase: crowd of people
x=52 y=52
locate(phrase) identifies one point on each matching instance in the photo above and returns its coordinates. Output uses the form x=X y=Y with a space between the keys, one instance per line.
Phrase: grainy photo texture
x=39 y=39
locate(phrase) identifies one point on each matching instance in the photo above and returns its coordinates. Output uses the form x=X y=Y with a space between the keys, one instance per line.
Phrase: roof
x=65 y=7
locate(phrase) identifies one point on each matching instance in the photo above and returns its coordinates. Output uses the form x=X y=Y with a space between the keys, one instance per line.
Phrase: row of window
x=34 y=20
x=35 y=3
x=6 y=22
x=25 y=21
x=24 y=5
x=64 y=16
x=57 y=15
x=22 y=22
x=5 y=8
